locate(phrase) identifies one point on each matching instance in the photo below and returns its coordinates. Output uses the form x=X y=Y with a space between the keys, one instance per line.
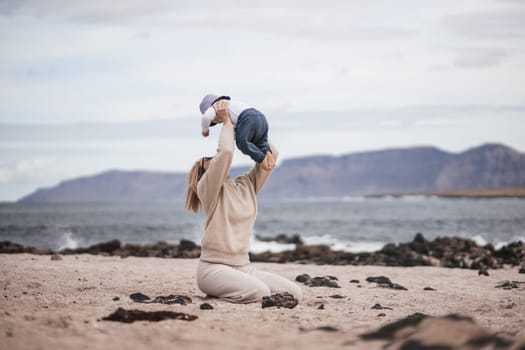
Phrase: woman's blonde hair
x=192 y=200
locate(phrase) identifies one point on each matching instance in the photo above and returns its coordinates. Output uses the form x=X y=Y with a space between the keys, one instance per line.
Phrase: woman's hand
x=221 y=109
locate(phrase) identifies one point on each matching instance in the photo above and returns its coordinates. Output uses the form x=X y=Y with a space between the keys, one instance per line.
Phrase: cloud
x=24 y=169
x=480 y=57
x=498 y=24
x=334 y=20
x=99 y=133
x=4 y=176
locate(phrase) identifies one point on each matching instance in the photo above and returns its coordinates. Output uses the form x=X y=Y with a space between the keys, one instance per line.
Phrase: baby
x=251 y=128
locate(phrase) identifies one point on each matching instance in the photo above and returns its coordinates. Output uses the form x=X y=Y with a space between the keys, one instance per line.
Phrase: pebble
x=483 y=271
x=285 y=300
x=326 y=281
x=509 y=284
x=385 y=282
x=379 y=307
x=206 y=306
x=337 y=296
x=129 y=316
x=168 y=299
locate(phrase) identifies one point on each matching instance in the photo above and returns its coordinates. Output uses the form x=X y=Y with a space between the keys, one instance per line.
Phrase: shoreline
x=451 y=252
x=481 y=193
x=50 y=303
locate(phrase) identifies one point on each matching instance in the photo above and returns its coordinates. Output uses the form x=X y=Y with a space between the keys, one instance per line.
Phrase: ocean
x=352 y=224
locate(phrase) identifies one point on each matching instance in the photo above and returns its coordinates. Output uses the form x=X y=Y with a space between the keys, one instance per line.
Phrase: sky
x=90 y=86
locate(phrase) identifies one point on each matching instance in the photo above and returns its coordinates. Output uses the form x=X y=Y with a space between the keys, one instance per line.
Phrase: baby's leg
x=261 y=141
x=248 y=130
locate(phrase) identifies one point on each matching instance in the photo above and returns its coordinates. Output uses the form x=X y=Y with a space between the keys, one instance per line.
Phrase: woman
x=230 y=206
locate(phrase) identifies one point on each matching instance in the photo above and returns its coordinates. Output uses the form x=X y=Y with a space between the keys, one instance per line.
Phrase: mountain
x=391 y=171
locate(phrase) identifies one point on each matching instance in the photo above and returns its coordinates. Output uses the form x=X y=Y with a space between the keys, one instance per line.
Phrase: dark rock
x=354 y=281
x=438 y=333
x=139 y=297
x=419 y=238
x=303 y=278
x=451 y=252
x=388 y=331
x=322 y=282
x=379 y=279
x=185 y=244
x=168 y=299
x=281 y=238
x=7 y=247
x=129 y=316
x=116 y=299
x=188 y=249
x=56 y=257
x=172 y=299
x=428 y=288
x=385 y=282
x=397 y=286
x=327 y=329
x=511 y=254
x=379 y=307
x=206 y=306
x=496 y=341
x=285 y=300
x=419 y=244
x=483 y=271
x=321 y=307
x=336 y=296
x=522 y=270
x=509 y=284
x=382 y=314
x=104 y=247
x=327 y=281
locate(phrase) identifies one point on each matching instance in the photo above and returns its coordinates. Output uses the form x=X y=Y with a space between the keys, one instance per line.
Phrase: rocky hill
x=391 y=171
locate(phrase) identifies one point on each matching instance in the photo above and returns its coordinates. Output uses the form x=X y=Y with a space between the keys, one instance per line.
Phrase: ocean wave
x=334 y=244
x=346 y=246
x=480 y=239
x=257 y=247
x=499 y=244
x=66 y=241
x=360 y=246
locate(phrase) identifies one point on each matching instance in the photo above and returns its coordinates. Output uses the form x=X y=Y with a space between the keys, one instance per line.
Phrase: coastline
x=59 y=303
x=451 y=252
x=483 y=193
x=473 y=193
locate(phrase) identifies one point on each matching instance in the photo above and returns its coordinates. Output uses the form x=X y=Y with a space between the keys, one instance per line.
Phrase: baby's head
x=209 y=100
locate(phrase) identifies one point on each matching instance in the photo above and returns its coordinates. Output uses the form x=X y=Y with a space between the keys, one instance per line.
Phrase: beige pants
x=242 y=284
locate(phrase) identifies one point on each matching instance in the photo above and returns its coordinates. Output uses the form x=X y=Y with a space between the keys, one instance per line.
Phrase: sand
x=47 y=304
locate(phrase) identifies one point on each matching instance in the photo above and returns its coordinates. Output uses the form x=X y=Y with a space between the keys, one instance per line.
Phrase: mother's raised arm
x=218 y=170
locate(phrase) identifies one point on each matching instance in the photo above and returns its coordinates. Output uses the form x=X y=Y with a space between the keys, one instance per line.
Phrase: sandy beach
x=59 y=304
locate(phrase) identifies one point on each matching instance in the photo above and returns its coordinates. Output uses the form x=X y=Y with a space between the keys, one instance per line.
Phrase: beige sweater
x=230 y=205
